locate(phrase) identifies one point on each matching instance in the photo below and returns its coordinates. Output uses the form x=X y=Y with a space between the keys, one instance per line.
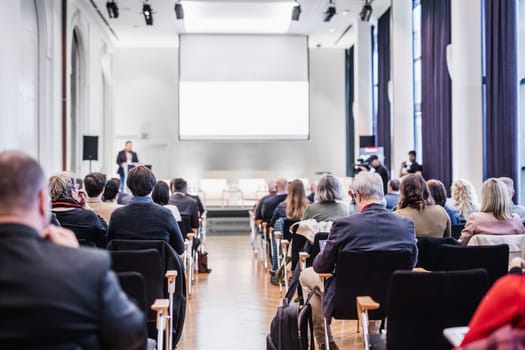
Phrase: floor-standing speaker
x=90 y=148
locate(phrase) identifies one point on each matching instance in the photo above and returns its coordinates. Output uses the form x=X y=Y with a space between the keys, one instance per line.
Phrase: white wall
x=146 y=111
x=96 y=45
x=31 y=71
x=18 y=69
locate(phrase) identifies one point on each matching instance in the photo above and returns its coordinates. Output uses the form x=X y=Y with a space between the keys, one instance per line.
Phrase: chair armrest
x=303 y=256
x=191 y=236
x=323 y=276
x=419 y=269
x=171 y=274
x=277 y=234
x=285 y=243
x=160 y=305
x=367 y=303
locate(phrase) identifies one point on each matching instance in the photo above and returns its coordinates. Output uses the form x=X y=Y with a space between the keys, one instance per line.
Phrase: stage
x=228 y=220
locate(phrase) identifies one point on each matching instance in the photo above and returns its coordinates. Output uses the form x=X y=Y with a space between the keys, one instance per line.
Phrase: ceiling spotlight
x=366 y=12
x=345 y=12
x=147 y=11
x=112 y=8
x=179 y=11
x=296 y=12
x=330 y=12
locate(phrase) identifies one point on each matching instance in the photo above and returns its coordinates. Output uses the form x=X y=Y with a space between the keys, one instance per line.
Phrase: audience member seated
x=327 y=206
x=503 y=305
x=258 y=206
x=294 y=204
x=464 y=198
x=414 y=202
x=516 y=209
x=143 y=219
x=161 y=196
x=95 y=184
x=72 y=211
x=111 y=192
x=292 y=209
x=272 y=201
x=392 y=195
x=313 y=190
x=495 y=217
x=374 y=228
x=197 y=199
x=54 y=295
x=439 y=195
x=185 y=204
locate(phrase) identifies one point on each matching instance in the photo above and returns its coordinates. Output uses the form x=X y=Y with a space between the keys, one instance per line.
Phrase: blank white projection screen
x=240 y=87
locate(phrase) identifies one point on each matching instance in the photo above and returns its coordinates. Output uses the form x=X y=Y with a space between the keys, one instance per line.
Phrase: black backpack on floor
x=292 y=326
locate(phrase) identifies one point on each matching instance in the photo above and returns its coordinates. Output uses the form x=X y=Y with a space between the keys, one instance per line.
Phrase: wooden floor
x=232 y=307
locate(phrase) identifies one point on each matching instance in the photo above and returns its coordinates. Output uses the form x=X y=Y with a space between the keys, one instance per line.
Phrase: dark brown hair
x=94 y=184
x=413 y=192
x=437 y=191
x=161 y=193
x=111 y=189
x=141 y=181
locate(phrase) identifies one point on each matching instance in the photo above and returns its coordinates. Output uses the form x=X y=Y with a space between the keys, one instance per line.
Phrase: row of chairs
x=153 y=274
x=459 y=277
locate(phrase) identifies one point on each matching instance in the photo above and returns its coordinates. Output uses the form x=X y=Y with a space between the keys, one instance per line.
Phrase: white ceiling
x=130 y=28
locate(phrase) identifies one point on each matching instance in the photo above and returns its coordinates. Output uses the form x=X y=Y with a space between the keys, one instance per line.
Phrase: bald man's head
x=21 y=181
x=281 y=185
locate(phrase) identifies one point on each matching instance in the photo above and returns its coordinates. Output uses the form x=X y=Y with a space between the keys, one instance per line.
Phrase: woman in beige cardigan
x=495 y=217
x=414 y=201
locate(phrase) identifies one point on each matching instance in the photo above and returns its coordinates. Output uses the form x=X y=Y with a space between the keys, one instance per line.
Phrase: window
x=416 y=42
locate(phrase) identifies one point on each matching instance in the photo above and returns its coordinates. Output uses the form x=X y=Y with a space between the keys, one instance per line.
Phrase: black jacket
x=145 y=221
x=84 y=223
x=53 y=297
x=187 y=206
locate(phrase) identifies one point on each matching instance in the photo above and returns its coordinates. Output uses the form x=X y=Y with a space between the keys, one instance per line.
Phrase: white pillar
x=363 y=82
x=464 y=61
x=402 y=86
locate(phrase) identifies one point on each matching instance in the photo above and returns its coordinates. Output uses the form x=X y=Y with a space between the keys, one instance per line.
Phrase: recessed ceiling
x=226 y=16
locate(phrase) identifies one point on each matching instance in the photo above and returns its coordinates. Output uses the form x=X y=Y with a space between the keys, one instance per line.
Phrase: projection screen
x=243 y=87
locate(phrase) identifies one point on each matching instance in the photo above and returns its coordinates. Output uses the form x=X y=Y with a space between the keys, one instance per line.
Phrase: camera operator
x=412 y=167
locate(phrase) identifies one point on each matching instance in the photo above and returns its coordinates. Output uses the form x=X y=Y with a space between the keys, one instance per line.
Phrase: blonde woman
x=464 y=198
x=495 y=217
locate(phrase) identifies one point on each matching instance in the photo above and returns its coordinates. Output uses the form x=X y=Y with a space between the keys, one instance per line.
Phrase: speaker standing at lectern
x=123 y=157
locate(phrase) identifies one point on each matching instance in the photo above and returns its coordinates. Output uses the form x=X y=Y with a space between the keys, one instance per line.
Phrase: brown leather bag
x=203 y=263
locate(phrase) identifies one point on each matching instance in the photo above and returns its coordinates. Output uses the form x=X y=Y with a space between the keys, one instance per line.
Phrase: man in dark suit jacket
x=125 y=156
x=374 y=228
x=143 y=219
x=187 y=206
x=54 y=295
x=271 y=202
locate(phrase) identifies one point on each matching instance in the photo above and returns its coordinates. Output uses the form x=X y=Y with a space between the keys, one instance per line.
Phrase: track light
x=112 y=8
x=296 y=12
x=330 y=12
x=147 y=11
x=366 y=12
x=179 y=11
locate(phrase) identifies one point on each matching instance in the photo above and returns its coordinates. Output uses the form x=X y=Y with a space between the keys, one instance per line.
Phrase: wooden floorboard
x=232 y=307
